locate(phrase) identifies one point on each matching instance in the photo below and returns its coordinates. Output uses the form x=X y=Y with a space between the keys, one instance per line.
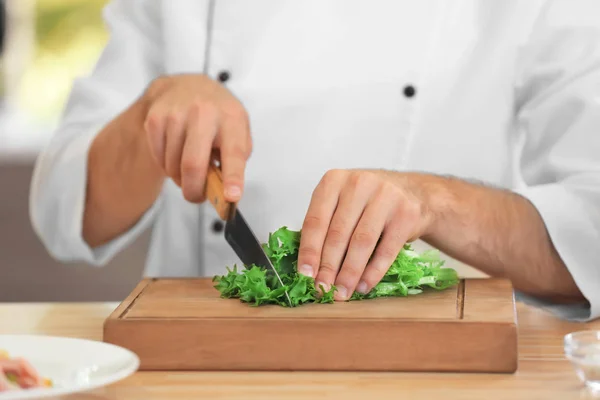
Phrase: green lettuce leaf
x=410 y=274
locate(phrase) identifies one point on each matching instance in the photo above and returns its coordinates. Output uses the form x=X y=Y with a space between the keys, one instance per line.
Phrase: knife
x=237 y=231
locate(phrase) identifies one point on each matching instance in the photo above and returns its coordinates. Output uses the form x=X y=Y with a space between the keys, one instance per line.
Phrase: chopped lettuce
x=410 y=274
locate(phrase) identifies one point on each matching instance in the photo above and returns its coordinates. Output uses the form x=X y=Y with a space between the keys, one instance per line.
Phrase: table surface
x=543 y=371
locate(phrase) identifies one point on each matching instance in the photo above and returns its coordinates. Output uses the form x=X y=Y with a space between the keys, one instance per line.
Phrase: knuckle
x=336 y=236
x=364 y=238
x=389 y=190
x=386 y=252
x=361 y=179
x=333 y=175
x=310 y=254
x=312 y=222
x=159 y=81
x=354 y=179
x=353 y=271
x=190 y=166
x=327 y=269
x=411 y=210
x=237 y=150
x=152 y=122
x=174 y=118
x=379 y=271
x=202 y=108
x=157 y=86
x=234 y=110
x=374 y=272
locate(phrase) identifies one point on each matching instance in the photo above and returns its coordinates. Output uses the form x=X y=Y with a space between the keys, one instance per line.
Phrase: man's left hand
x=356 y=224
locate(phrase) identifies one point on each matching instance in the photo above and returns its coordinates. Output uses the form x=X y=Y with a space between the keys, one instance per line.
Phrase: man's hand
x=358 y=221
x=172 y=130
x=354 y=214
x=189 y=116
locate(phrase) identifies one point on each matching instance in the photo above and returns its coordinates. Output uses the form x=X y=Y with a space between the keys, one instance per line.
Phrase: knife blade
x=237 y=231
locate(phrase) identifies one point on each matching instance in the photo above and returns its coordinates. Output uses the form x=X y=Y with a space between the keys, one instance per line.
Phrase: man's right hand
x=188 y=117
x=172 y=130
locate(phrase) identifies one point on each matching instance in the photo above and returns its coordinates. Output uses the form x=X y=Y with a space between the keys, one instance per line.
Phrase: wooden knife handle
x=216 y=195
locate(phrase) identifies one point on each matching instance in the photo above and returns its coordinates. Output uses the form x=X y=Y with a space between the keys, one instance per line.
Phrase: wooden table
x=543 y=371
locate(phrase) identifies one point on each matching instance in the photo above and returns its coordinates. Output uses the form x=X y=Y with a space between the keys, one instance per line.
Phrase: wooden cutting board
x=183 y=324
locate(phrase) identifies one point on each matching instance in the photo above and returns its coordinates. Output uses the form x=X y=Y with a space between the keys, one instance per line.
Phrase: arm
x=123 y=180
x=500 y=233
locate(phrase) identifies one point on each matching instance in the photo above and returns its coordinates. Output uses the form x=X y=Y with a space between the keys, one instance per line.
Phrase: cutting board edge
x=197 y=345
x=297 y=320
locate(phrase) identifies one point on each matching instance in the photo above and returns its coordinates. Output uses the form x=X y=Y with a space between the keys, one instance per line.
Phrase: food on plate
x=409 y=274
x=18 y=373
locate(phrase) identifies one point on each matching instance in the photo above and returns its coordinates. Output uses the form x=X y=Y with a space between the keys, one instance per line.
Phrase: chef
x=471 y=126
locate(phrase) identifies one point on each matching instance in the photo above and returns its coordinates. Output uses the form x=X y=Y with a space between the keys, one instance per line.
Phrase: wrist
x=437 y=198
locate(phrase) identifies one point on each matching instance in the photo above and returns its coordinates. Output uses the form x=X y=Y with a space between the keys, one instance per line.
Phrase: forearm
x=498 y=232
x=123 y=179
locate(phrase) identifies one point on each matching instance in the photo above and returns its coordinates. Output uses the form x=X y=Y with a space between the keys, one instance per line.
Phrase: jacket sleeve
x=558 y=121
x=130 y=60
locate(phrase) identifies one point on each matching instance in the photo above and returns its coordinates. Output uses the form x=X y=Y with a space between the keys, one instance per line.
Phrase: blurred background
x=46 y=44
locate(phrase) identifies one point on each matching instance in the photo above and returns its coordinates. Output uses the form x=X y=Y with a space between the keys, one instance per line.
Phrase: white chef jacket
x=507 y=92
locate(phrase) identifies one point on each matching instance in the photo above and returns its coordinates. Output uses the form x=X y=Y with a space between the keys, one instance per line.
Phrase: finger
x=175 y=138
x=395 y=234
x=234 y=153
x=155 y=126
x=353 y=199
x=201 y=132
x=363 y=242
x=322 y=205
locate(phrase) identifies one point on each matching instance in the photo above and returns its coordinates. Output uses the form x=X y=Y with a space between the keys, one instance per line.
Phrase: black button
x=223 y=76
x=217 y=226
x=409 y=91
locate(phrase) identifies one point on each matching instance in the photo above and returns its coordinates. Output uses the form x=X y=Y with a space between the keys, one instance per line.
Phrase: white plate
x=73 y=365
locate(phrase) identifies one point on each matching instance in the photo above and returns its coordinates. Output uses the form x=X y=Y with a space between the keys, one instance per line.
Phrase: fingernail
x=362 y=287
x=342 y=292
x=233 y=191
x=306 y=270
